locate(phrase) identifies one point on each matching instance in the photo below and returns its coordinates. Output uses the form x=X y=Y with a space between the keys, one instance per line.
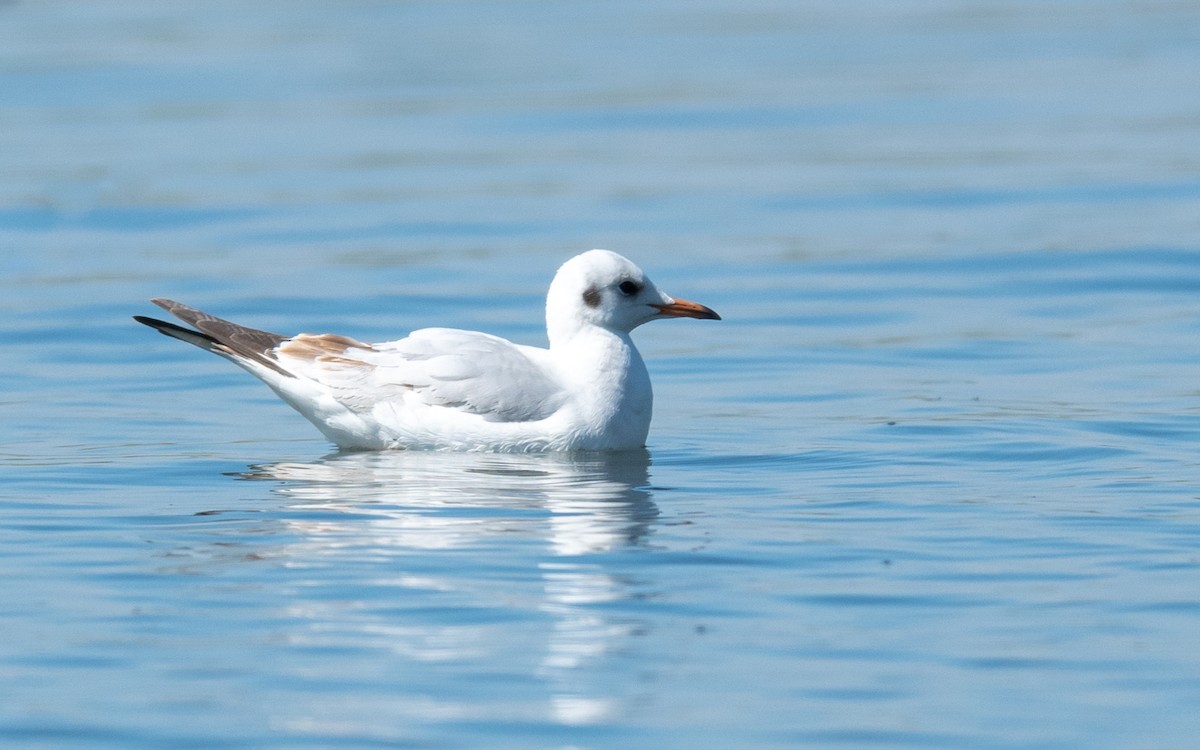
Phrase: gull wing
x=442 y=367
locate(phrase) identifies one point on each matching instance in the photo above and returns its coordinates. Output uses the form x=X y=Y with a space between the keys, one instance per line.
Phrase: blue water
x=932 y=482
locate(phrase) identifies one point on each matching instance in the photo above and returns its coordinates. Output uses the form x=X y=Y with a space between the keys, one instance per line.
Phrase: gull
x=449 y=389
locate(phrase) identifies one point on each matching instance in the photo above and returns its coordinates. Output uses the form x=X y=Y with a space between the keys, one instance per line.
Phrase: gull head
x=603 y=289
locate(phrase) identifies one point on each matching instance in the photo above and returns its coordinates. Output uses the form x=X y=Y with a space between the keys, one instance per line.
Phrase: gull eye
x=629 y=288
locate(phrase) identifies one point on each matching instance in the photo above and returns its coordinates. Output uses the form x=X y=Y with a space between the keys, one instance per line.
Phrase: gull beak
x=681 y=308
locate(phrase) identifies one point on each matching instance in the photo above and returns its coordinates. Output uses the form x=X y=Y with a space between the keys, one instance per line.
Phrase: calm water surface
x=933 y=482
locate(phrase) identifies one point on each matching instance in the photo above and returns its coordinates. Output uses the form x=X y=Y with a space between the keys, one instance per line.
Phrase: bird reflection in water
x=526 y=520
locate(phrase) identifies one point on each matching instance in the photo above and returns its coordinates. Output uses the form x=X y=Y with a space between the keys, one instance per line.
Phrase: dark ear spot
x=591 y=297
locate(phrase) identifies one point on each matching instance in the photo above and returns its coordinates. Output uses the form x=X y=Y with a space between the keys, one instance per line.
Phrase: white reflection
x=597 y=501
x=577 y=506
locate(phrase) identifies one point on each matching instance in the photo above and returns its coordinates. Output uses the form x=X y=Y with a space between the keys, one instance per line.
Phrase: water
x=931 y=483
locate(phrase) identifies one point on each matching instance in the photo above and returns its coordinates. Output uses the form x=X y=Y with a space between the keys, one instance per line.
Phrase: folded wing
x=440 y=367
x=467 y=371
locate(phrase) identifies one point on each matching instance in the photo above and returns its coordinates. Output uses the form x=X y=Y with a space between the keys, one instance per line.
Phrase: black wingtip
x=154 y=323
x=198 y=338
x=230 y=340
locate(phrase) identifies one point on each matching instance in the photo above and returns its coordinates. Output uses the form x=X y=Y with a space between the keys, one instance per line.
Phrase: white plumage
x=443 y=388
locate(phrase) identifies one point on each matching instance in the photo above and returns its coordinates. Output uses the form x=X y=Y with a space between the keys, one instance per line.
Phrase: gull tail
x=248 y=347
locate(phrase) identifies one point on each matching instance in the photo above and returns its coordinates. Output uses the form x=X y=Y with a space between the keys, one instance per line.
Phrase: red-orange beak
x=682 y=308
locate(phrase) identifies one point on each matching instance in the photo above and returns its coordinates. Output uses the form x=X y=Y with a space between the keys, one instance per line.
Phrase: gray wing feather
x=470 y=371
x=464 y=370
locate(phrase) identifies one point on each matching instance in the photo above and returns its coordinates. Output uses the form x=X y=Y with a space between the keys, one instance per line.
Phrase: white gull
x=443 y=388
